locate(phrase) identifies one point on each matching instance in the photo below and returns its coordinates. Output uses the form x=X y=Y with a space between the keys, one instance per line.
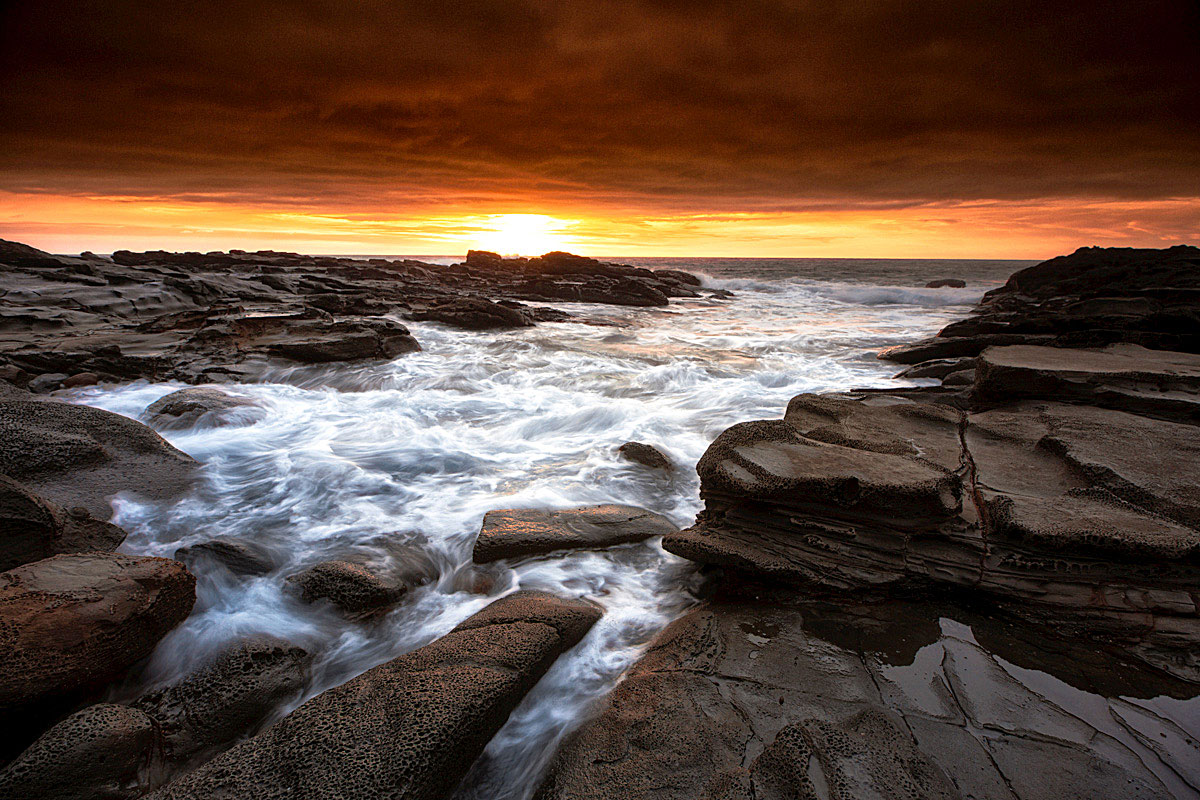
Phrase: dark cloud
x=760 y=104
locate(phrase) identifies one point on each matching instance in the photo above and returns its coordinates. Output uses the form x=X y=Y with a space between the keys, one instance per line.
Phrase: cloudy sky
x=761 y=127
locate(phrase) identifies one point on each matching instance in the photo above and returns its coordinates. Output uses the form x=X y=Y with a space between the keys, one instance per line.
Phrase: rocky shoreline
x=886 y=569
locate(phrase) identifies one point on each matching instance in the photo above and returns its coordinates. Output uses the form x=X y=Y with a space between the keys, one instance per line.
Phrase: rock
x=410 y=728
x=351 y=587
x=947 y=283
x=1093 y=271
x=936 y=368
x=1064 y=511
x=79 y=456
x=963 y=377
x=74 y=622
x=517 y=532
x=679 y=276
x=35 y=528
x=774 y=697
x=475 y=314
x=345 y=342
x=190 y=407
x=1155 y=382
x=47 y=383
x=104 y=752
x=226 y=699
x=240 y=558
x=645 y=454
x=943 y=348
x=81 y=379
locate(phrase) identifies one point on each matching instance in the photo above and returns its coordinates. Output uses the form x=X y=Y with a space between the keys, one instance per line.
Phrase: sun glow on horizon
x=522 y=235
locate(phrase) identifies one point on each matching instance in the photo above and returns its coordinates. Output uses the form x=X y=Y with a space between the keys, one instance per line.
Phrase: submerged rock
x=189 y=407
x=512 y=533
x=645 y=454
x=353 y=588
x=104 y=752
x=240 y=558
x=410 y=728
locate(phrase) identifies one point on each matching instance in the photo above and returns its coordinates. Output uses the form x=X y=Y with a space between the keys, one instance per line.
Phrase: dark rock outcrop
x=947 y=283
x=216 y=317
x=80 y=456
x=1059 y=509
x=198 y=405
x=517 y=532
x=104 y=752
x=74 y=622
x=475 y=314
x=410 y=728
x=645 y=454
x=772 y=697
x=354 y=588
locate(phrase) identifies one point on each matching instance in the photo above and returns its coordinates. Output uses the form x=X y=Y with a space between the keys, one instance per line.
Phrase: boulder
x=194 y=406
x=353 y=588
x=239 y=557
x=80 y=379
x=1125 y=376
x=104 y=752
x=645 y=454
x=410 y=728
x=947 y=283
x=475 y=314
x=35 y=528
x=517 y=532
x=775 y=697
x=226 y=699
x=80 y=456
x=74 y=622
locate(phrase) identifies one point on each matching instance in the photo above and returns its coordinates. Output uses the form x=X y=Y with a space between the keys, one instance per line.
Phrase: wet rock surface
x=645 y=454
x=410 y=728
x=771 y=696
x=517 y=532
x=74 y=622
x=34 y=528
x=239 y=557
x=218 y=317
x=200 y=405
x=80 y=456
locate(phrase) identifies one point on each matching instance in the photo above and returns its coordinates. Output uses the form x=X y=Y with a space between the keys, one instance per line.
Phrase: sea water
x=398 y=462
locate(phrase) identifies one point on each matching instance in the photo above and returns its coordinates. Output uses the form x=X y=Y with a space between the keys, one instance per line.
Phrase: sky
x=865 y=128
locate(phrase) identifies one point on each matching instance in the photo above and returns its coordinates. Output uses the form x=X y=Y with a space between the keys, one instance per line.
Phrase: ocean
x=398 y=462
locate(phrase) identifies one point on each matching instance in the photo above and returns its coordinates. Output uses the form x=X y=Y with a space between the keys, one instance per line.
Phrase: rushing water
x=396 y=463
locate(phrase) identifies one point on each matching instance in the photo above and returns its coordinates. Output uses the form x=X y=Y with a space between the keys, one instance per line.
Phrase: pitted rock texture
x=353 y=588
x=517 y=532
x=1070 y=509
x=33 y=528
x=773 y=697
x=74 y=622
x=225 y=699
x=80 y=456
x=104 y=752
x=221 y=317
x=198 y=405
x=645 y=454
x=410 y=728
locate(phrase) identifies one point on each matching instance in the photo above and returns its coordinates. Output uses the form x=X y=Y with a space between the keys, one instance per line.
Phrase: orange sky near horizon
x=1034 y=229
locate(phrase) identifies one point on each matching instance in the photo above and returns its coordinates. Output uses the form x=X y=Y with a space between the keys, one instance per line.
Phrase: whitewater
x=395 y=464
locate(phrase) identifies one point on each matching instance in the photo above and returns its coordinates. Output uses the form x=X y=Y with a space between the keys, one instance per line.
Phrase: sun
x=522 y=234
